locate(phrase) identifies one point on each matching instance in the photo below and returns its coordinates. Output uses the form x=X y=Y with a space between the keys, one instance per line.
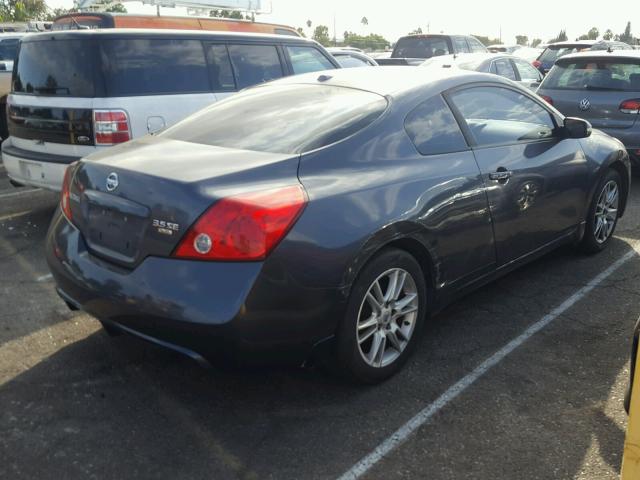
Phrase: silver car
x=602 y=87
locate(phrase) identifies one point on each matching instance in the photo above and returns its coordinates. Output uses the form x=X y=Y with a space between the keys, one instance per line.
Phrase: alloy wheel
x=387 y=317
x=606 y=211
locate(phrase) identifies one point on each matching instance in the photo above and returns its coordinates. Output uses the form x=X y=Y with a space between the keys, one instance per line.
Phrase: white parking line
x=401 y=435
x=16 y=194
x=44 y=278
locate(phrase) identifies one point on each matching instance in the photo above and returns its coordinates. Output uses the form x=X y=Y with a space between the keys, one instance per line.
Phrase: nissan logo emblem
x=112 y=181
x=585 y=104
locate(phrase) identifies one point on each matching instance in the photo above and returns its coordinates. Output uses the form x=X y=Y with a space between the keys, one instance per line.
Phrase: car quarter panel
x=374 y=188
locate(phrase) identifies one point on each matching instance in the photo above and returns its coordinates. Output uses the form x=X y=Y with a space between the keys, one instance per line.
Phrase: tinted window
x=527 y=71
x=347 y=61
x=595 y=74
x=460 y=45
x=9 y=48
x=153 y=66
x=433 y=128
x=60 y=67
x=307 y=59
x=551 y=54
x=282 y=118
x=497 y=115
x=255 y=64
x=420 y=47
x=475 y=45
x=504 y=68
x=220 y=67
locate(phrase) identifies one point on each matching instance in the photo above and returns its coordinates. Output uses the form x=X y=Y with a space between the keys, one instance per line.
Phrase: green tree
x=627 y=37
x=535 y=42
x=593 y=34
x=417 y=31
x=23 y=10
x=117 y=8
x=522 y=40
x=234 y=14
x=321 y=35
x=608 y=35
x=300 y=31
x=370 y=42
x=562 y=37
x=486 y=41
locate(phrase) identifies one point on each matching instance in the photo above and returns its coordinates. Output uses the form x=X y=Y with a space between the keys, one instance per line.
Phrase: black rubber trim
x=37 y=156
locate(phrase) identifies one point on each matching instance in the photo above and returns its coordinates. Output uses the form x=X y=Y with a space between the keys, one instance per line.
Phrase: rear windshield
x=282 y=119
x=421 y=47
x=551 y=54
x=55 y=68
x=595 y=74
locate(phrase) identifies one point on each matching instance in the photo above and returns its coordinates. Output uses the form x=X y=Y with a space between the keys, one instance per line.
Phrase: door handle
x=501 y=175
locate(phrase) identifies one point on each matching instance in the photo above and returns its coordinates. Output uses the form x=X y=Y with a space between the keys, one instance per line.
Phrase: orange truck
x=74 y=21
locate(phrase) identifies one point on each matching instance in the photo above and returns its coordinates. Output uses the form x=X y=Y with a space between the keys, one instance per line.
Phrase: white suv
x=79 y=91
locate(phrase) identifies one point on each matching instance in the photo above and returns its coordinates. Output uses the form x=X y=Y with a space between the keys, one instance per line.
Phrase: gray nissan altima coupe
x=329 y=215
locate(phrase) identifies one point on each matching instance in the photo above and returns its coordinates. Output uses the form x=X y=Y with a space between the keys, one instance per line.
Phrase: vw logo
x=112 y=181
x=585 y=104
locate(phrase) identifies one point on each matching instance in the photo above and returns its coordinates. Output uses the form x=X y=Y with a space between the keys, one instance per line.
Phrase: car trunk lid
x=138 y=199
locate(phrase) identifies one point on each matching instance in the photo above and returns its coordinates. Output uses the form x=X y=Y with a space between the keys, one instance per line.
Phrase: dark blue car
x=329 y=213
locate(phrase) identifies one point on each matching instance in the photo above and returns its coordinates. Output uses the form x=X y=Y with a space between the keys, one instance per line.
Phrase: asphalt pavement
x=77 y=404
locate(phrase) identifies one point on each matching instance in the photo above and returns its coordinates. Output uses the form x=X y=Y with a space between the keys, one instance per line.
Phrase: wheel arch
x=619 y=166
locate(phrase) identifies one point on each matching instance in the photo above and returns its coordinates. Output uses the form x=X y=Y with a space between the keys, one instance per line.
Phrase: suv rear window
x=55 y=68
x=595 y=74
x=153 y=67
x=421 y=47
x=282 y=118
x=551 y=54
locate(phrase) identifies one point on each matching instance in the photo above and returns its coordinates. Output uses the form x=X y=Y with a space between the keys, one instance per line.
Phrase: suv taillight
x=65 y=198
x=537 y=63
x=244 y=227
x=630 y=106
x=111 y=127
x=547 y=99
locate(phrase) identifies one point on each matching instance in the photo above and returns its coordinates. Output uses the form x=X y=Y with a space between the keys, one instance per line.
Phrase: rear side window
x=433 y=129
x=595 y=74
x=55 y=68
x=307 y=59
x=153 y=67
x=347 y=61
x=475 y=45
x=504 y=68
x=220 y=67
x=527 y=72
x=255 y=64
x=282 y=118
x=460 y=45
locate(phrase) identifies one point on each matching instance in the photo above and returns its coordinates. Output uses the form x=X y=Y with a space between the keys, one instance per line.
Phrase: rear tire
x=603 y=213
x=384 y=318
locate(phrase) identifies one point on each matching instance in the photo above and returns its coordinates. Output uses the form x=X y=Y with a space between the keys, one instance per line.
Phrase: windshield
x=421 y=47
x=595 y=74
x=282 y=119
x=55 y=68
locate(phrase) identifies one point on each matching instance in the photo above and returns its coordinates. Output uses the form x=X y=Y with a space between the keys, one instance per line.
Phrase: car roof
x=390 y=80
x=602 y=54
x=162 y=33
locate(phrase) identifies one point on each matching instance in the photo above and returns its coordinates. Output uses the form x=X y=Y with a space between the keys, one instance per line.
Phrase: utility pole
x=335 y=41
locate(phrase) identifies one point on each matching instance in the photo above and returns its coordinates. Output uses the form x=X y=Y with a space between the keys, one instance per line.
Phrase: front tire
x=384 y=317
x=603 y=213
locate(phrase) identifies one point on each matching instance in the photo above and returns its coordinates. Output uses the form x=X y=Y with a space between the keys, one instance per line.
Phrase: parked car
x=500 y=48
x=505 y=65
x=351 y=58
x=76 y=92
x=610 y=45
x=93 y=20
x=530 y=54
x=334 y=218
x=8 y=52
x=556 y=50
x=604 y=88
x=415 y=49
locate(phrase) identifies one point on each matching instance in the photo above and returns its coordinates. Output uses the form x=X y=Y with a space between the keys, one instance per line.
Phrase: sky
x=537 y=19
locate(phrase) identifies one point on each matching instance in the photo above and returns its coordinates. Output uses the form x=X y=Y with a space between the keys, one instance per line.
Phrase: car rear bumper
x=34 y=168
x=213 y=309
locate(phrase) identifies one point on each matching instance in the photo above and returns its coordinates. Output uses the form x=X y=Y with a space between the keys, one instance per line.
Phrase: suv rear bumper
x=35 y=168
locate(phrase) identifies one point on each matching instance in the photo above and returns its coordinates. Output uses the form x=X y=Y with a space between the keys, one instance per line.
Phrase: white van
x=75 y=92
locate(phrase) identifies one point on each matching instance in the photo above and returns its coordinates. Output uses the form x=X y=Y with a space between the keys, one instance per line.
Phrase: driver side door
x=536 y=180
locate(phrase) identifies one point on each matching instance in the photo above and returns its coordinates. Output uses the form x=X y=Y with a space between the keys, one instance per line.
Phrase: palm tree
x=309 y=24
x=364 y=21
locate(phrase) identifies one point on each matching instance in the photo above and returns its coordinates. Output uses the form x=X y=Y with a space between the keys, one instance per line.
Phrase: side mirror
x=576 y=128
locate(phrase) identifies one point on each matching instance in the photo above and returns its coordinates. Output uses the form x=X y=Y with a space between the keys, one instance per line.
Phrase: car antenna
x=80 y=27
x=610 y=50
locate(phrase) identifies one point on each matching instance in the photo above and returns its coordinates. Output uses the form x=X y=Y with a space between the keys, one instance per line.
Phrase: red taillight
x=243 y=227
x=536 y=63
x=547 y=99
x=65 y=204
x=630 y=106
x=111 y=126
